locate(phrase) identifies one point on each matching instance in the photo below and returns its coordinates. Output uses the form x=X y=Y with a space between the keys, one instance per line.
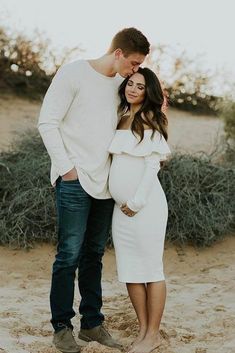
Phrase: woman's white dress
x=138 y=240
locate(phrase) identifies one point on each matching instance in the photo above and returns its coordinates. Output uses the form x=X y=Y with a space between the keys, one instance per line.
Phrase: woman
x=140 y=212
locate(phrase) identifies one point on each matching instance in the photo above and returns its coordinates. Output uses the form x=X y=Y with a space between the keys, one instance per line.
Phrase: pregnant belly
x=125 y=175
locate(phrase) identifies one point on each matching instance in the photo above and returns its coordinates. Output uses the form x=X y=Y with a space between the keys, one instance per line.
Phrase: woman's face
x=135 y=89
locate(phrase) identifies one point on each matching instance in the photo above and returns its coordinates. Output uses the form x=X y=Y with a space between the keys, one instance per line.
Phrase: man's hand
x=71 y=175
x=128 y=212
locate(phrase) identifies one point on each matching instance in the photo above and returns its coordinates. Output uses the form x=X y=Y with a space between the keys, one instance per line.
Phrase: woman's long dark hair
x=150 y=113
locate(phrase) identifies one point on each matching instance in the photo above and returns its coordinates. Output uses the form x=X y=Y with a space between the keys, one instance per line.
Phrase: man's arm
x=55 y=105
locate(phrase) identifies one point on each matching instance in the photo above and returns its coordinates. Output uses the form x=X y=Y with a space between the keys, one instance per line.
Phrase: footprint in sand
x=187 y=338
x=219 y=308
x=7 y=314
x=170 y=333
x=95 y=347
x=200 y=350
x=181 y=254
x=32 y=331
x=217 y=266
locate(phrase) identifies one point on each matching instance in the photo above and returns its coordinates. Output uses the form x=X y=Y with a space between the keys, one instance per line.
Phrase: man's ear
x=118 y=53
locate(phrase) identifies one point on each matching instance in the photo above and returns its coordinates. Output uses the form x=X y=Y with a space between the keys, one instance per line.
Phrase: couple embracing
x=104 y=129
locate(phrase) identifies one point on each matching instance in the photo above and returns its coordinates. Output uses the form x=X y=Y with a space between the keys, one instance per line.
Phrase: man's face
x=127 y=65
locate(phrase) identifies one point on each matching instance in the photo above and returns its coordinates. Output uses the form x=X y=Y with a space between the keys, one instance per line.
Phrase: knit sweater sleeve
x=56 y=103
x=152 y=166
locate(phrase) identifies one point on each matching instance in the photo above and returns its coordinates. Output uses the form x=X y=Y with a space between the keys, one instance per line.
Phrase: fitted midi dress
x=138 y=240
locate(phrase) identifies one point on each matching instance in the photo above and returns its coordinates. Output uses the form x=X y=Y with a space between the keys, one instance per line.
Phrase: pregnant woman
x=140 y=213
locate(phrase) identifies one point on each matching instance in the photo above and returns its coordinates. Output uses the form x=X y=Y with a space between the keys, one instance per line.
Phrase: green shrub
x=201 y=197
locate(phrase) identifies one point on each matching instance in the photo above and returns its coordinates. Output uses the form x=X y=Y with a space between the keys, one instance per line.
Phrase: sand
x=16 y=116
x=200 y=310
x=199 y=316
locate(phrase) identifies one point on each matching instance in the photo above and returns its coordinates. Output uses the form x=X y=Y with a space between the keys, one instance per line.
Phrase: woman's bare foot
x=138 y=339
x=147 y=345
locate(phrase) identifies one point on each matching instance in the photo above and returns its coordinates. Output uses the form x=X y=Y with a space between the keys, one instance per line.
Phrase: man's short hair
x=130 y=40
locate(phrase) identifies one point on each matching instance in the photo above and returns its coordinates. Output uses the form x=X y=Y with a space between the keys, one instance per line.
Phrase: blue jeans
x=83 y=229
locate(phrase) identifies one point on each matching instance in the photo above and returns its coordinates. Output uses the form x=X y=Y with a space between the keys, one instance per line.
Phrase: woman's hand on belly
x=127 y=211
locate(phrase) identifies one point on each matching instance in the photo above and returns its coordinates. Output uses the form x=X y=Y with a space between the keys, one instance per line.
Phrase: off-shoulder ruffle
x=125 y=142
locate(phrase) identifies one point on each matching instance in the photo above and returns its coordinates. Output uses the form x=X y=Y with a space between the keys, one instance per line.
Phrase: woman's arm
x=152 y=166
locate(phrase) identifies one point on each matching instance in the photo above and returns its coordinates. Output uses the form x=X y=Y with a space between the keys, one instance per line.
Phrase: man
x=77 y=123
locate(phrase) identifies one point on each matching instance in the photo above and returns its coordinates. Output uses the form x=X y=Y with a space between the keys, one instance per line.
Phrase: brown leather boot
x=99 y=334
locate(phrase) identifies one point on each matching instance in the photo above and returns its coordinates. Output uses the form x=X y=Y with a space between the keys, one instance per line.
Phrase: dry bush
x=21 y=65
x=28 y=65
x=201 y=197
x=27 y=209
x=227 y=114
x=189 y=86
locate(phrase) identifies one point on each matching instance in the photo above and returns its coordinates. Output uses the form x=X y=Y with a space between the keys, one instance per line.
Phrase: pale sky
x=199 y=26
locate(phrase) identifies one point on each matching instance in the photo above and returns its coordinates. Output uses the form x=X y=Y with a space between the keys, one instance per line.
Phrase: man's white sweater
x=77 y=122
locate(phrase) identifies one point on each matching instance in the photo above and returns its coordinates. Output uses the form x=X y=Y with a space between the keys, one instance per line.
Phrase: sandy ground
x=200 y=310
x=16 y=116
x=199 y=316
